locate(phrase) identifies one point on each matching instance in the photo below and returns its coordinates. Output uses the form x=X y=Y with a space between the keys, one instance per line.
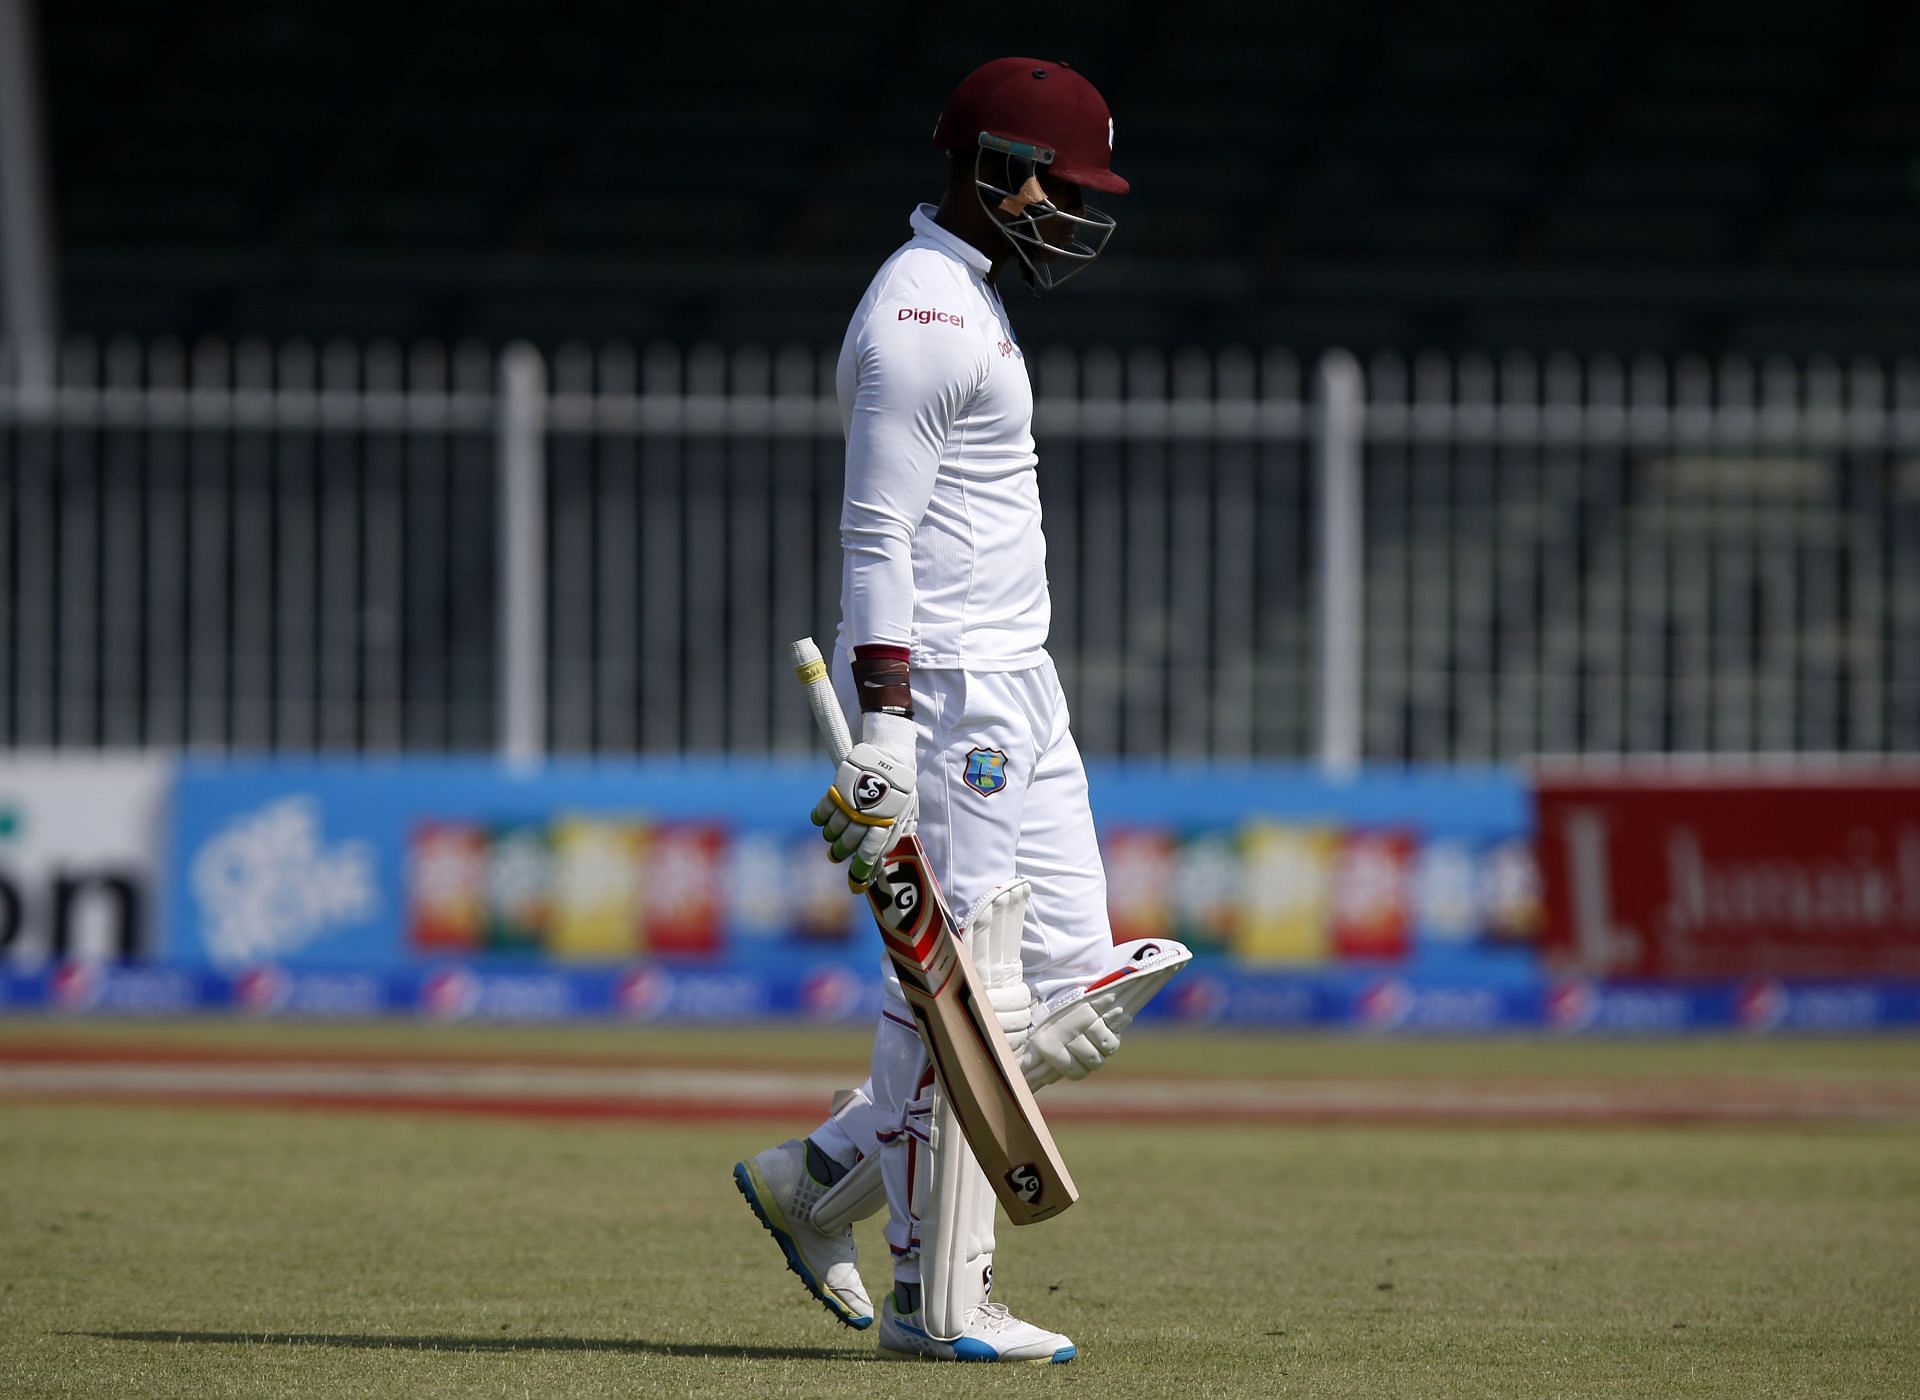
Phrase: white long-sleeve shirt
x=943 y=552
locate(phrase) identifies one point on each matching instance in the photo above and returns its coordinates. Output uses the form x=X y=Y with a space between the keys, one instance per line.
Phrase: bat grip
x=827 y=715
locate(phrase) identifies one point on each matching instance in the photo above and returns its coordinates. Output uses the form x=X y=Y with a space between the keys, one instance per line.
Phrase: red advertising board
x=1711 y=873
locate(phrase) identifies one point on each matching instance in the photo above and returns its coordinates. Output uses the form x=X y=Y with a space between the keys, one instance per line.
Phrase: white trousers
x=1002 y=794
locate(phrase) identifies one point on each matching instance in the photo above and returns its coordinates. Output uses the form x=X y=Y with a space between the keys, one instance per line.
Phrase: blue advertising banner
x=1421 y=872
x=378 y=867
x=1398 y=902
x=697 y=891
x=1210 y=994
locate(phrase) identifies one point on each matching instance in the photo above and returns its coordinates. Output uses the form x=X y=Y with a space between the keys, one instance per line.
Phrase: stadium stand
x=1711 y=174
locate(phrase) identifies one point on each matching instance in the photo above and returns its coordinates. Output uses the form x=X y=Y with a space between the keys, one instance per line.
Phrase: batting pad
x=956 y=1227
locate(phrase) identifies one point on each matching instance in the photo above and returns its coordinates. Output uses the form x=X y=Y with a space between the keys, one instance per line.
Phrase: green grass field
x=224 y=1251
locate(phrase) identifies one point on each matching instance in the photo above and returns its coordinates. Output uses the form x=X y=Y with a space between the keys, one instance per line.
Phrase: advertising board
x=81 y=844
x=324 y=866
x=385 y=866
x=1397 y=902
x=1713 y=873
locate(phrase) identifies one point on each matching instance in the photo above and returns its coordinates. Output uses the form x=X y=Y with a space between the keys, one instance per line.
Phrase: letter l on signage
x=1602 y=943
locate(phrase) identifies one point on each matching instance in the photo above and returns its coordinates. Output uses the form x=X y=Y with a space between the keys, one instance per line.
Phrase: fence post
x=523 y=564
x=29 y=278
x=1338 y=426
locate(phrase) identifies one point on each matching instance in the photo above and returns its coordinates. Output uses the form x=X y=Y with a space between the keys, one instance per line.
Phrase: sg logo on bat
x=1025 y=1182
x=900 y=905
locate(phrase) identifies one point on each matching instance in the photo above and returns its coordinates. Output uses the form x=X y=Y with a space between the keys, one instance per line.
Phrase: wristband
x=880 y=676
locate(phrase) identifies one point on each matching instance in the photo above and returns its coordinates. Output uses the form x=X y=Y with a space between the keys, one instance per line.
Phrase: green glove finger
x=875 y=844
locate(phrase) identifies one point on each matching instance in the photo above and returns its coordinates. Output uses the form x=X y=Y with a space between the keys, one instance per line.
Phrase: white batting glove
x=871 y=803
x=1078 y=1030
x=1070 y=1043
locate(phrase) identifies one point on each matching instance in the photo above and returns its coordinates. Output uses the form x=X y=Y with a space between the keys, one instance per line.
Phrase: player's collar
x=924 y=226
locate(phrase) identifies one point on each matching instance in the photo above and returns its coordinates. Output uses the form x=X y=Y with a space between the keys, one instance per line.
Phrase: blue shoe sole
x=966 y=1350
x=743 y=1179
x=1059 y=1358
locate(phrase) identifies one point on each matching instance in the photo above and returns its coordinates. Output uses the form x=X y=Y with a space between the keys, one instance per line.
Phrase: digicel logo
x=923 y=316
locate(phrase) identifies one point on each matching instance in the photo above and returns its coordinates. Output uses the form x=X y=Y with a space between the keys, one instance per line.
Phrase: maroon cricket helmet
x=1038 y=102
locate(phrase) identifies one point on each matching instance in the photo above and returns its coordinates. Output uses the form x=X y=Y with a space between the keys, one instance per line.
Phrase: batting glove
x=871 y=803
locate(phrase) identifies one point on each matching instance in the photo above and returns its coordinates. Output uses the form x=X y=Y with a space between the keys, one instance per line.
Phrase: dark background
x=1702 y=175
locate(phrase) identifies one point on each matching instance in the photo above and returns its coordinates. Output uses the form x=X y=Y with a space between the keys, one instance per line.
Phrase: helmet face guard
x=1018 y=204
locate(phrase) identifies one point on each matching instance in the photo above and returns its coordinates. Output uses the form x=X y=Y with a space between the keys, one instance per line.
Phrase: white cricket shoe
x=992 y=1334
x=782 y=1192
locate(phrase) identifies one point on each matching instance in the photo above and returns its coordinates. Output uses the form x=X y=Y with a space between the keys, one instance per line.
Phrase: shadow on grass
x=373 y=1341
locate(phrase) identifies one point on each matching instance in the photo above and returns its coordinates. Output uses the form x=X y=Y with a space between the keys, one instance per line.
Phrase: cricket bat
x=970 y=1054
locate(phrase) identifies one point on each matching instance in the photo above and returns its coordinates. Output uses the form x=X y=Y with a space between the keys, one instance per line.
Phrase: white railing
x=365 y=548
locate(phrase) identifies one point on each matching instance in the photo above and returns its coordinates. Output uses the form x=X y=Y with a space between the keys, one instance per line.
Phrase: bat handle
x=812 y=671
x=827 y=714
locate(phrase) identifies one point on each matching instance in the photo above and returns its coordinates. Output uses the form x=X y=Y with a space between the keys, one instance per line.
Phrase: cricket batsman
x=941 y=652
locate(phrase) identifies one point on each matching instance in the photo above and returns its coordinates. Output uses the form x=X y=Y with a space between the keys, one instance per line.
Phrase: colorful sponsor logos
x=1140 y=865
x=599 y=889
x=1273 y=893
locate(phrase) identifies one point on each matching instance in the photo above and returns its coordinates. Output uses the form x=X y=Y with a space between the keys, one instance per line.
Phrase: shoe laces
x=989 y=1317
